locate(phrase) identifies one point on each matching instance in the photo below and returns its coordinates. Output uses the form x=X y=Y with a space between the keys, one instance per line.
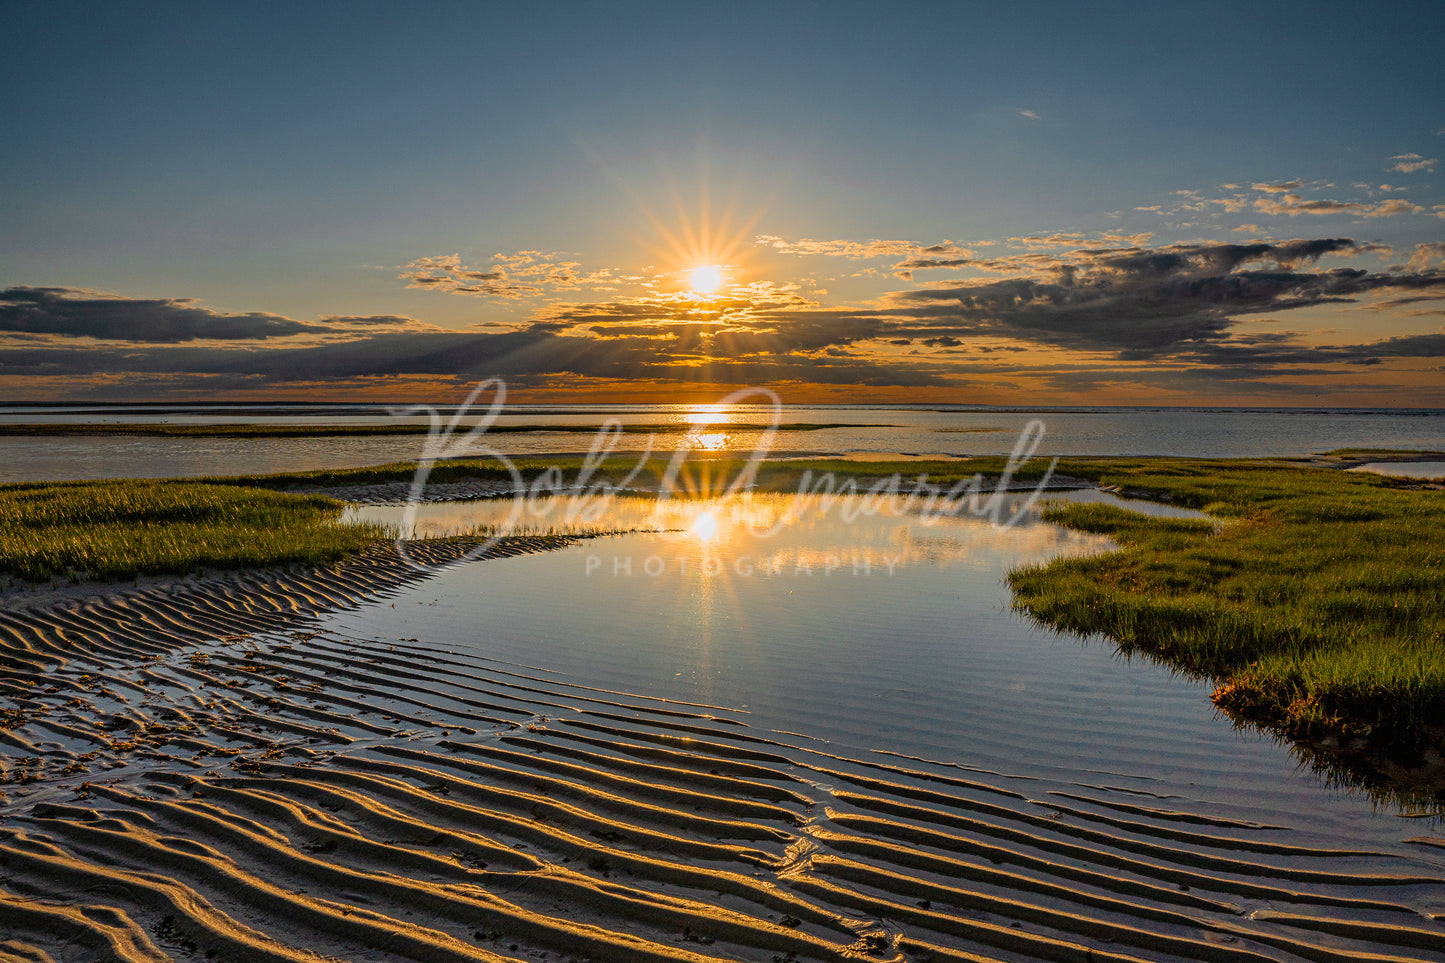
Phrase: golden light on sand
x=706 y=279
x=704 y=525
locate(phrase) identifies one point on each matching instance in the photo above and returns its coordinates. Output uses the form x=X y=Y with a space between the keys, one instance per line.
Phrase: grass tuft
x=1317 y=604
x=114 y=530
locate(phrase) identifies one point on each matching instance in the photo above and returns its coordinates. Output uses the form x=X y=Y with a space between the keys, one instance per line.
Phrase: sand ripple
x=203 y=773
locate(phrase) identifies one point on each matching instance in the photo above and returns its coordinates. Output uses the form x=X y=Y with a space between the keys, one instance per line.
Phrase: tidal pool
x=880 y=632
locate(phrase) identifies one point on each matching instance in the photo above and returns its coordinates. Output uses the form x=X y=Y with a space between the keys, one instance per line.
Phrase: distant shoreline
x=325 y=431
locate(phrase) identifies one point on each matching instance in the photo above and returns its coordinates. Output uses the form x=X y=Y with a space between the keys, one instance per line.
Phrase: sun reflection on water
x=704 y=526
x=767 y=533
x=708 y=414
x=709 y=441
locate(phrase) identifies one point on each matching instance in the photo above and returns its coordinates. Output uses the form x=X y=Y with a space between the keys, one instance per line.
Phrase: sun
x=705 y=279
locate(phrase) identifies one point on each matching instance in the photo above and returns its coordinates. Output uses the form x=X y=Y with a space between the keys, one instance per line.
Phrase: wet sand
x=196 y=771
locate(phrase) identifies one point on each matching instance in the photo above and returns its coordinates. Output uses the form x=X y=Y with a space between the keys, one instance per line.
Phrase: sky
x=1058 y=203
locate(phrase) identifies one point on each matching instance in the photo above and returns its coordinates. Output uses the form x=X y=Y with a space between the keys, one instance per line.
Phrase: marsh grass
x=703 y=475
x=114 y=530
x=1317 y=604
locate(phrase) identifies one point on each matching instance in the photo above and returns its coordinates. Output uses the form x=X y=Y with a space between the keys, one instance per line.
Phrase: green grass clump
x=1317 y=603
x=114 y=530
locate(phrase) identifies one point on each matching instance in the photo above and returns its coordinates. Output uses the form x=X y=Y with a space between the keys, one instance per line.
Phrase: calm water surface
x=941 y=431
x=876 y=633
x=1405 y=469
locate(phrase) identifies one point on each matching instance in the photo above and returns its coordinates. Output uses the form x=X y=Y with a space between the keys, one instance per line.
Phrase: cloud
x=944 y=254
x=1294 y=205
x=1409 y=163
x=1029 y=114
x=1274 y=353
x=923 y=263
x=79 y=313
x=1076 y=239
x=1150 y=302
x=917 y=256
x=1289 y=198
x=525 y=274
x=1431 y=253
x=857 y=250
x=337 y=322
x=1392 y=207
x=522 y=358
x=1133 y=308
x=1231 y=205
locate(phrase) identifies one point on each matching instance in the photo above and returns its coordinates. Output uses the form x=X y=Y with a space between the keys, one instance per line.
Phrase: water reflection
x=882 y=629
x=710 y=414
x=1404 y=469
x=704 y=525
x=710 y=441
x=764 y=533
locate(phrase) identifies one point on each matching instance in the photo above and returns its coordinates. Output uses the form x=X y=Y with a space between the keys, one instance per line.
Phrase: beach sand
x=193 y=770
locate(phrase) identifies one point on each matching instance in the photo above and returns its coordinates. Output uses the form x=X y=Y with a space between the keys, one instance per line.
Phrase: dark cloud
x=1262 y=354
x=1175 y=308
x=1219 y=258
x=523 y=358
x=77 y=313
x=905 y=269
x=343 y=322
x=1150 y=301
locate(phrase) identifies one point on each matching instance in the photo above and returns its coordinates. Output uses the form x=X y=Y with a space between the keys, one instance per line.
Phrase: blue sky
x=174 y=170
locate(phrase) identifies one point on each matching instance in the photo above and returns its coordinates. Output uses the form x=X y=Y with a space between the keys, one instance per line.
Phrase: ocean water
x=919 y=430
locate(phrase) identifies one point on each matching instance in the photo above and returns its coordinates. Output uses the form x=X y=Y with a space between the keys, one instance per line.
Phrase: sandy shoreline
x=215 y=776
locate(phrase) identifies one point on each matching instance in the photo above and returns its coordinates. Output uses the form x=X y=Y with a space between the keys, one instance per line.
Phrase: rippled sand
x=201 y=773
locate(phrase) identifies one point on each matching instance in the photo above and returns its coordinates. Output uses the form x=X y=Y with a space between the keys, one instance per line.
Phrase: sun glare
x=711 y=441
x=707 y=414
x=704 y=526
x=706 y=279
